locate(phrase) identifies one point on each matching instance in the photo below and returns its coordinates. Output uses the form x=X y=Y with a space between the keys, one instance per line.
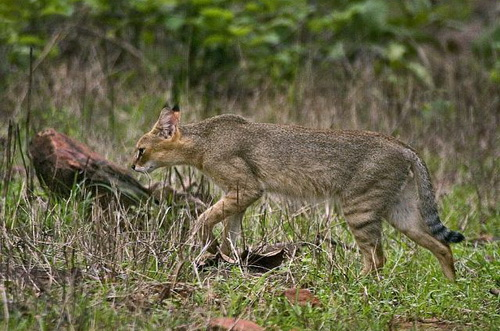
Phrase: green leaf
x=215 y=40
x=58 y=8
x=283 y=22
x=271 y=38
x=174 y=23
x=240 y=31
x=337 y=51
x=395 y=52
x=421 y=72
x=217 y=13
x=320 y=24
x=495 y=72
x=31 y=40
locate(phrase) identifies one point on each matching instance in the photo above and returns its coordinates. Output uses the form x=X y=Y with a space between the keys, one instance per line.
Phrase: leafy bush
x=237 y=42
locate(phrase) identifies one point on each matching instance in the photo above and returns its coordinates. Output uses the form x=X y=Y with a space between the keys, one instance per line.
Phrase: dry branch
x=61 y=162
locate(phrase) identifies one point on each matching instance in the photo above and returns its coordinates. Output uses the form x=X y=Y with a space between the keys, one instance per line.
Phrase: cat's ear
x=168 y=123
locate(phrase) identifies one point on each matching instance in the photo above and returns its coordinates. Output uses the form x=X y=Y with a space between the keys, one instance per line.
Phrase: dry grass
x=69 y=264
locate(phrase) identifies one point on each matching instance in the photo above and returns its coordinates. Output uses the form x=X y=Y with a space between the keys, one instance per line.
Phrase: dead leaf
x=301 y=297
x=495 y=291
x=233 y=324
x=263 y=262
x=262 y=258
x=269 y=256
x=227 y=259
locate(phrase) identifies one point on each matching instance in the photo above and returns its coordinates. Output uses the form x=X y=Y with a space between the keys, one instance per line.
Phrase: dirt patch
x=399 y=323
x=234 y=324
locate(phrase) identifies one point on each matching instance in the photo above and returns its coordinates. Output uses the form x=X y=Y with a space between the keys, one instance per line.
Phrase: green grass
x=64 y=269
x=66 y=264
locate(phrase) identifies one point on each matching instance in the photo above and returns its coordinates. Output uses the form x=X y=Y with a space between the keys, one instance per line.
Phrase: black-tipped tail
x=428 y=207
x=441 y=232
x=454 y=237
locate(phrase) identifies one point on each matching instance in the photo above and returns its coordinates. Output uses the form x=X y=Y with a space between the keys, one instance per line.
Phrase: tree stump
x=61 y=163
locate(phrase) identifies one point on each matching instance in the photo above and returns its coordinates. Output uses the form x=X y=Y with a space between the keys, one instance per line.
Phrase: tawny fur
x=374 y=176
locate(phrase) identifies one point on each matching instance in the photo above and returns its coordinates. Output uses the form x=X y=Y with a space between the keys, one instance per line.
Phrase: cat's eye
x=140 y=151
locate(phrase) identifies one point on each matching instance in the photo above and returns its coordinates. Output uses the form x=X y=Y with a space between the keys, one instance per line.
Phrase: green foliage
x=235 y=41
x=27 y=23
x=488 y=47
x=129 y=263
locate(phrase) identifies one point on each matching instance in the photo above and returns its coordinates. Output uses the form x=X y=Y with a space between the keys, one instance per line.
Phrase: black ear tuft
x=176 y=108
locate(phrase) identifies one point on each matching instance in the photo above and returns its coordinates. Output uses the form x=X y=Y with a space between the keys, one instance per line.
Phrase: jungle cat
x=374 y=177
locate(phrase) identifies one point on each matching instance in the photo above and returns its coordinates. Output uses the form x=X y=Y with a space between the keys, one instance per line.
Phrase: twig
x=135 y=52
x=27 y=168
x=5 y=305
x=334 y=242
x=181 y=180
x=30 y=85
x=56 y=37
x=18 y=136
x=10 y=151
x=109 y=81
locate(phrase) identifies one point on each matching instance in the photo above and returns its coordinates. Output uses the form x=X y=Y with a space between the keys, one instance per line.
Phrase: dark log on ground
x=61 y=162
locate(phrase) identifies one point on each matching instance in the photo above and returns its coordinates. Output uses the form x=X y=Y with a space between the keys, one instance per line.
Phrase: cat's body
x=374 y=176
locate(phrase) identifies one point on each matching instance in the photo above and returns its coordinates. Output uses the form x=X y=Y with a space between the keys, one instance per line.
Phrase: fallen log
x=61 y=162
